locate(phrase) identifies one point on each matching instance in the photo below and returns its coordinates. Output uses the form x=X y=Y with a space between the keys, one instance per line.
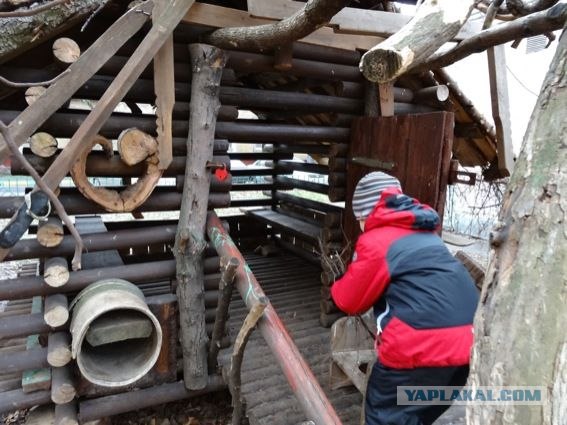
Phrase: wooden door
x=418 y=148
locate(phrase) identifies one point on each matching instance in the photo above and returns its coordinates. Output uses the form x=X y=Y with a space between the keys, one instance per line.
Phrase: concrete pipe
x=116 y=339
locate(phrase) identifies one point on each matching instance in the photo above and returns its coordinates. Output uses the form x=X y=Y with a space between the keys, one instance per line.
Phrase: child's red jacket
x=423 y=298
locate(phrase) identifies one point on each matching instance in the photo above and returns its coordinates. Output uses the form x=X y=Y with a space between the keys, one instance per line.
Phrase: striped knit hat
x=368 y=191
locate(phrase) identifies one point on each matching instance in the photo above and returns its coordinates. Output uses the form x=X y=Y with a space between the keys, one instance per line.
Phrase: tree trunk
x=207 y=63
x=435 y=22
x=20 y=34
x=521 y=321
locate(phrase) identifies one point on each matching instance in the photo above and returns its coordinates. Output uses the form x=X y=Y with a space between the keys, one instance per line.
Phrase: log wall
x=305 y=112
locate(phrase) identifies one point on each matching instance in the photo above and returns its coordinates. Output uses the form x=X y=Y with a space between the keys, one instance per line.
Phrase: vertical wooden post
x=386 y=99
x=501 y=108
x=371 y=99
x=164 y=86
x=207 y=63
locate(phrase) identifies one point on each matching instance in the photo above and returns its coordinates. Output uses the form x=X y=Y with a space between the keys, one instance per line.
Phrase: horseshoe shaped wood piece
x=134 y=146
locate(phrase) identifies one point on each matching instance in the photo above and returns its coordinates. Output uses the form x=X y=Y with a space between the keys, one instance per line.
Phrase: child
x=424 y=300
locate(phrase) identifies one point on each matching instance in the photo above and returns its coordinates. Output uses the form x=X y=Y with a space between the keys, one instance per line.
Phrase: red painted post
x=303 y=383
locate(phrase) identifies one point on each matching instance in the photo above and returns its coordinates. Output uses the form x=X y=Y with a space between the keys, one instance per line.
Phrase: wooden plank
x=37 y=379
x=501 y=108
x=139 y=60
x=349 y=20
x=164 y=85
x=293 y=225
x=219 y=17
x=88 y=64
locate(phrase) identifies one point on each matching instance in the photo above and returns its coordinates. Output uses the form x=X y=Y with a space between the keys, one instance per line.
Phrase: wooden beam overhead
x=349 y=20
x=220 y=17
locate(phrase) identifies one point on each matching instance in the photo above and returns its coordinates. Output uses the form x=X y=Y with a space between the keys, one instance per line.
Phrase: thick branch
x=14 y=84
x=523 y=8
x=18 y=34
x=315 y=14
x=537 y=23
x=435 y=23
x=207 y=63
x=20 y=13
x=234 y=382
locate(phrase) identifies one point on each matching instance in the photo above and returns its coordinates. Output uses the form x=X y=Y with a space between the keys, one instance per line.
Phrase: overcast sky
x=525 y=75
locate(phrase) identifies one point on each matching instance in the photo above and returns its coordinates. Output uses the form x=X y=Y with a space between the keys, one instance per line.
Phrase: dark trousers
x=381 y=406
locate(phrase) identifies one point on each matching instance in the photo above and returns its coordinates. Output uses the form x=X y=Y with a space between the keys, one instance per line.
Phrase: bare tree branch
x=523 y=8
x=19 y=13
x=501 y=15
x=76 y=262
x=312 y=16
x=491 y=13
x=16 y=85
x=537 y=23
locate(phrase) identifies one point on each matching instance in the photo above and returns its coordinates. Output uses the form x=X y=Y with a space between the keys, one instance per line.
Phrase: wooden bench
x=299 y=228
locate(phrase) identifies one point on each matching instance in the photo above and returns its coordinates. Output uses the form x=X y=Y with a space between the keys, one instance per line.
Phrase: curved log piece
x=134 y=146
x=435 y=22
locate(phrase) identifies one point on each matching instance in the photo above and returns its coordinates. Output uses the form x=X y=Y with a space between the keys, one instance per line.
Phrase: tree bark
x=521 y=321
x=207 y=63
x=20 y=34
x=435 y=22
x=312 y=16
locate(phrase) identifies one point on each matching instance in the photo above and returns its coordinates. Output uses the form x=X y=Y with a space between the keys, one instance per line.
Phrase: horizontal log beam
x=102 y=407
x=283 y=167
x=119 y=239
x=18 y=399
x=64 y=124
x=142 y=91
x=100 y=166
x=75 y=203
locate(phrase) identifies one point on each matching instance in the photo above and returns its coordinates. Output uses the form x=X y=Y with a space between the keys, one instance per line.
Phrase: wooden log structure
x=56 y=311
x=66 y=51
x=56 y=271
x=63 y=389
x=66 y=123
x=98 y=165
x=66 y=414
x=207 y=63
x=434 y=23
x=102 y=407
x=43 y=144
x=162 y=199
x=59 y=349
x=50 y=233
